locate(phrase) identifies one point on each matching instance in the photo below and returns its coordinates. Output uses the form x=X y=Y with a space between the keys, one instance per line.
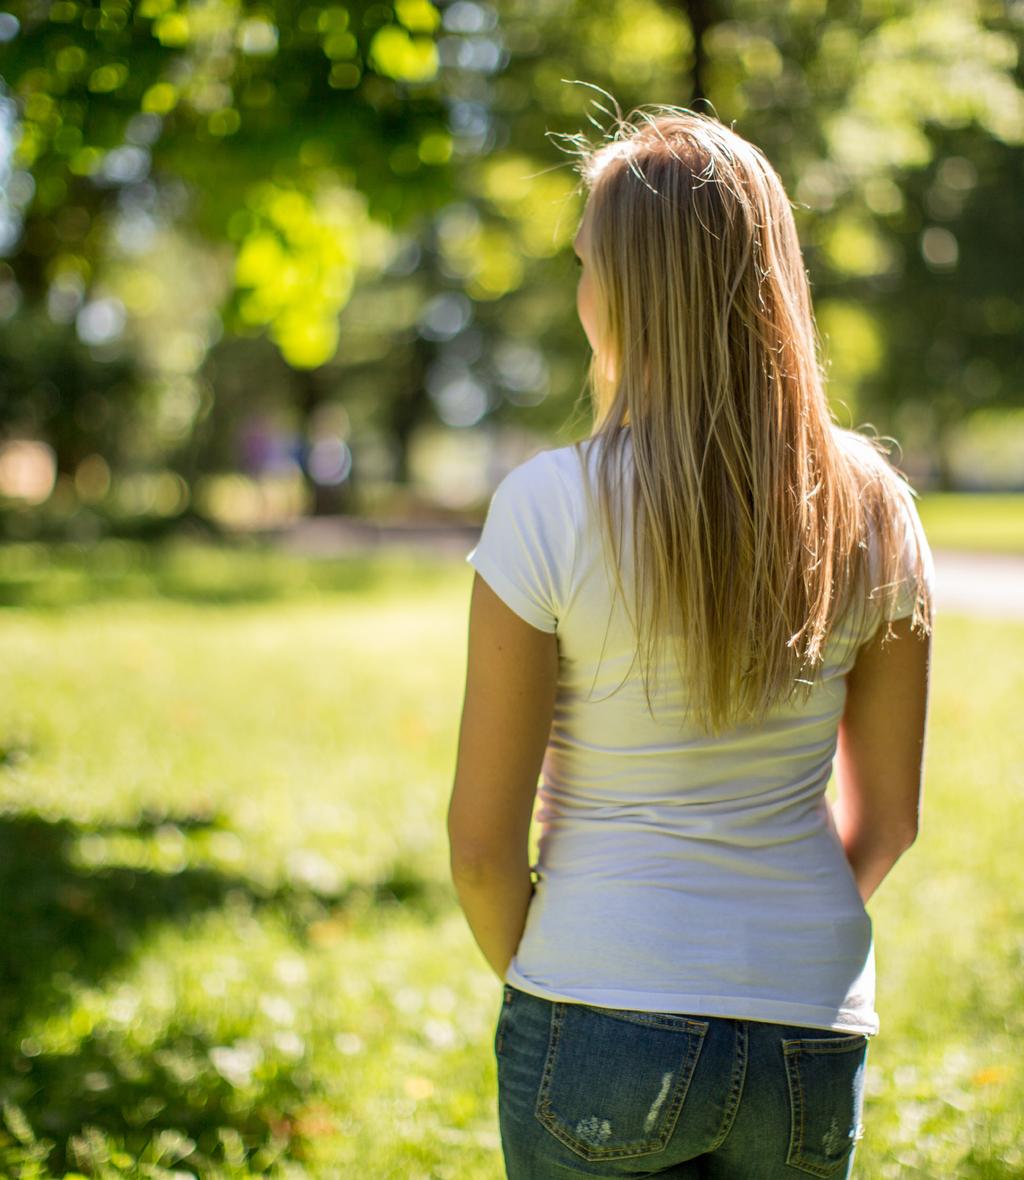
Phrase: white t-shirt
x=677 y=872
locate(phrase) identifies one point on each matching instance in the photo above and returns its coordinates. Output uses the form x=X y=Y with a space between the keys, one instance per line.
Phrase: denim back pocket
x=826 y=1098
x=615 y=1080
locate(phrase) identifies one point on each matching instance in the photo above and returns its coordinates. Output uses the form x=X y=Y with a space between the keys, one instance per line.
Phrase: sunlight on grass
x=945 y=1087
x=982 y=522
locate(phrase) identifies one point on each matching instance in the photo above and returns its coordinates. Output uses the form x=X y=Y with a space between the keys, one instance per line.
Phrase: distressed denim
x=588 y=1091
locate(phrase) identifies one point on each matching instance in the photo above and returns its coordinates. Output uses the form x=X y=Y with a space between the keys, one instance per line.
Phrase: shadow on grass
x=54 y=576
x=977 y=1165
x=66 y=924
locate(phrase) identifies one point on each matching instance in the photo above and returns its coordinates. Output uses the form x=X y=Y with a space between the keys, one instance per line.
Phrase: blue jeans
x=588 y=1091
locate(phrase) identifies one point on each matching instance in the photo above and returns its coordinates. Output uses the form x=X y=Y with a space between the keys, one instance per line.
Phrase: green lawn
x=979 y=522
x=230 y=943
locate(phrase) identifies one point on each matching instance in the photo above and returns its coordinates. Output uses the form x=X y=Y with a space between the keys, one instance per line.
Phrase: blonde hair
x=752 y=506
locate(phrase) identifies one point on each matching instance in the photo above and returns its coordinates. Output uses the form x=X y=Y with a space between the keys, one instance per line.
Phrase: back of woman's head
x=755 y=513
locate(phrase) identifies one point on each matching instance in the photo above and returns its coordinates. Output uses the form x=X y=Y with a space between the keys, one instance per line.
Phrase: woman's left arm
x=511 y=678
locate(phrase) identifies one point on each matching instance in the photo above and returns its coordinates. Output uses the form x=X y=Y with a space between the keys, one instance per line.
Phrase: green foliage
x=53 y=386
x=396 y=54
x=291 y=145
x=230 y=101
x=298 y=260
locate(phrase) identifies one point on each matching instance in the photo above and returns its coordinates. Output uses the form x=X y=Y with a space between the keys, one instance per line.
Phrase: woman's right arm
x=880 y=752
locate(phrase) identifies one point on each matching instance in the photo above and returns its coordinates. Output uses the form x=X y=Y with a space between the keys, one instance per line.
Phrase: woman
x=684 y=621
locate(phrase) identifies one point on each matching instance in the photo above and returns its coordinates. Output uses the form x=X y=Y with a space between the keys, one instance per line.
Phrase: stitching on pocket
x=670 y=1020
x=798 y=1155
x=841 y=1043
x=665 y=1109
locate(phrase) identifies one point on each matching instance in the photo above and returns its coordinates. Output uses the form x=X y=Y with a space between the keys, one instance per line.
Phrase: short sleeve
x=913 y=536
x=527 y=546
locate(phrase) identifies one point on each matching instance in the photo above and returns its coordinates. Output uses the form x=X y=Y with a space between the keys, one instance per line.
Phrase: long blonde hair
x=752 y=506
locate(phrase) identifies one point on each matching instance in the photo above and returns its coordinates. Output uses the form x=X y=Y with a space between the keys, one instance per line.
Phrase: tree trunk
x=408 y=407
x=946 y=417
x=702 y=14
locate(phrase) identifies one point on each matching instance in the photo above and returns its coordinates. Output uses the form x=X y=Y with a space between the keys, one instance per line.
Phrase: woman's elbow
x=910 y=835
x=468 y=853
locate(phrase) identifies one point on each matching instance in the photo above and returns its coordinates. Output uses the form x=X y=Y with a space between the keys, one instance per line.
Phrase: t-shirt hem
x=509 y=593
x=735 y=1007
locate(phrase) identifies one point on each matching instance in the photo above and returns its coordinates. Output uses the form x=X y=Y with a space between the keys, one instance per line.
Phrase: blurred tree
x=858 y=108
x=520 y=353
x=950 y=317
x=58 y=388
x=898 y=128
x=375 y=184
x=282 y=128
x=268 y=113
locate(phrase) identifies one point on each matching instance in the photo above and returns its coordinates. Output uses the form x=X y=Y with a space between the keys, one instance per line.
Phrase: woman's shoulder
x=890 y=500
x=549 y=470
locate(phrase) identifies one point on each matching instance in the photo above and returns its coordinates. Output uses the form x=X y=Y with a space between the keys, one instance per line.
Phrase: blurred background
x=266 y=261
x=285 y=289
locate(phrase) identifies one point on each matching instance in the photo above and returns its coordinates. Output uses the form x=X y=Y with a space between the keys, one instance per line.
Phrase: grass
x=230 y=947
x=976 y=522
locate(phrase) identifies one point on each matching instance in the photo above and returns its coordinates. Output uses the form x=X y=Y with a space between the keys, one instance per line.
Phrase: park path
x=988 y=584
x=984 y=584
